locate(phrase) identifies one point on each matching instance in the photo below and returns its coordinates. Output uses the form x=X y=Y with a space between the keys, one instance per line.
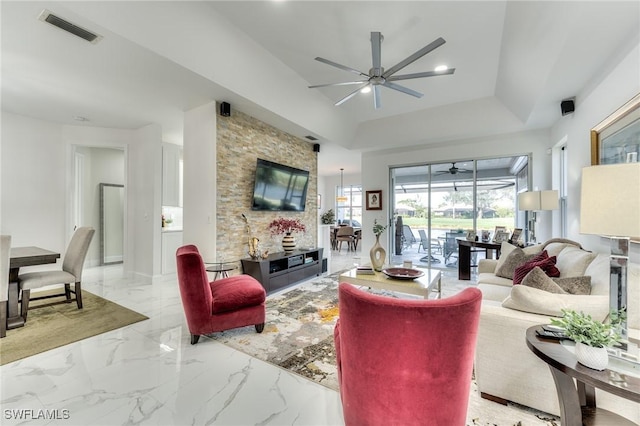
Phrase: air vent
x=56 y=21
x=311 y=138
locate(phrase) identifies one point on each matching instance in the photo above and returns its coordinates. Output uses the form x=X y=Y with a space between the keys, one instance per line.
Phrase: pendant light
x=341 y=198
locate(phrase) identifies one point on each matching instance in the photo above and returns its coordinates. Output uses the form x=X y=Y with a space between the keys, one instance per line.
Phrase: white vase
x=589 y=356
x=378 y=255
x=288 y=243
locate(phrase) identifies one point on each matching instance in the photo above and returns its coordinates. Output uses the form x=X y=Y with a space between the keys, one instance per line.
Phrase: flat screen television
x=279 y=187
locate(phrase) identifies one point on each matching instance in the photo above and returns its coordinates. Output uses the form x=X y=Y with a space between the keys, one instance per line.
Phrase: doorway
x=97 y=168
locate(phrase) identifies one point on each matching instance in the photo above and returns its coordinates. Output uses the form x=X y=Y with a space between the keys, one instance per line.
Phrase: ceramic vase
x=378 y=255
x=288 y=243
x=589 y=356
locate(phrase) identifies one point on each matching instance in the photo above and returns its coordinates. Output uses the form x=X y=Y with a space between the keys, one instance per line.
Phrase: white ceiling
x=515 y=61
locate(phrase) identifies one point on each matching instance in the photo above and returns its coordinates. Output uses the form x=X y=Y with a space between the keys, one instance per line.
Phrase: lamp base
x=619 y=261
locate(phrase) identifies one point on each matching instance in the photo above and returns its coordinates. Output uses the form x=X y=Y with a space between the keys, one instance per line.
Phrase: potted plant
x=592 y=337
x=328 y=218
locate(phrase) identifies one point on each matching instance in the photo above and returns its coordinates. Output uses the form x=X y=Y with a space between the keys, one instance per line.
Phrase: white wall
x=622 y=83
x=375 y=169
x=37 y=185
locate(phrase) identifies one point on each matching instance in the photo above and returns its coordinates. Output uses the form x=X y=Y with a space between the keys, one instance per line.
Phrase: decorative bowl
x=402 y=273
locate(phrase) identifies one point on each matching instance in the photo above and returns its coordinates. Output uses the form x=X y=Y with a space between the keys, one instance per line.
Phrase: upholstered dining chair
x=71 y=273
x=345 y=234
x=227 y=303
x=405 y=361
x=5 y=248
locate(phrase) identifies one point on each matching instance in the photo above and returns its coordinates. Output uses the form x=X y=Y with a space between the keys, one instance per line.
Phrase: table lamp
x=536 y=201
x=610 y=206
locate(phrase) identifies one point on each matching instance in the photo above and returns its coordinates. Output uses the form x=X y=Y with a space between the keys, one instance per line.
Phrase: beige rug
x=298 y=336
x=58 y=325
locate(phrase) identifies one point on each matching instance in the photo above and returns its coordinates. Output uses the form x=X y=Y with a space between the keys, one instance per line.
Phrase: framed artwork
x=501 y=236
x=374 y=200
x=499 y=229
x=617 y=138
x=471 y=236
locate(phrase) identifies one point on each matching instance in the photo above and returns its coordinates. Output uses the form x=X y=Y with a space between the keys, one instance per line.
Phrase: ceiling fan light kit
x=377 y=75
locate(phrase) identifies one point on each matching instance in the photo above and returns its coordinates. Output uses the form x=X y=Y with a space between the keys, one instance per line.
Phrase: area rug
x=53 y=326
x=298 y=336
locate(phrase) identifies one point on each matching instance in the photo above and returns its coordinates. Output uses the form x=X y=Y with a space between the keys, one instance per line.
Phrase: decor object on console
x=287 y=227
x=71 y=273
x=592 y=337
x=404 y=361
x=253 y=251
x=227 y=303
x=610 y=206
x=536 y=201
x=377 y=253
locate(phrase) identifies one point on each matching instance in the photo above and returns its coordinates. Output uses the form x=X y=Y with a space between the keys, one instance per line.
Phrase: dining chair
x=5 y=248
x=71 y=273
x=345 y=234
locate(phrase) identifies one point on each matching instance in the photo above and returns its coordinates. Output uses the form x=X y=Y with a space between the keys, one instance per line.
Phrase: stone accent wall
x=241 y=140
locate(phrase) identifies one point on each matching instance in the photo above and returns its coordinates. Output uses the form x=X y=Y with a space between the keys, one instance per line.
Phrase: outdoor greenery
x=580 y=327
x=458 y=223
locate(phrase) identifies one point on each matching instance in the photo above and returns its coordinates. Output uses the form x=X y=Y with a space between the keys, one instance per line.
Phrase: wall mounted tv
x=279 y=187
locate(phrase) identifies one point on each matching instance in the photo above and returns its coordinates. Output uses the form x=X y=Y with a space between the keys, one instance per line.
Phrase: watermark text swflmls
x=28 y=414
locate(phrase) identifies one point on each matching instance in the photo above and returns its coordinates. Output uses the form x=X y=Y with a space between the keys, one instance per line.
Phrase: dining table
x=18 y=258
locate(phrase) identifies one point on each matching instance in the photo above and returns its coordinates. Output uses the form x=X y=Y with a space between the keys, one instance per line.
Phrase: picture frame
x=471 y=235
x=486 y=235
x=497 y=230
x=374 y=200
x=501 y=236
x=611 y=139
x=515 y=236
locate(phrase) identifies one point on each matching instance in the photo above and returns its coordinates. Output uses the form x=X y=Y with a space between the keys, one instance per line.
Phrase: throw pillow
x=534 y=300
x=548 y=265
x=572 y=261
x=505 y=249
x=510 y=263
x=536 y=278
x=574 y=285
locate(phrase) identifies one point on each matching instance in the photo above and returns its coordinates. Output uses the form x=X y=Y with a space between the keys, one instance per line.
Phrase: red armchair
x=220 y=305
x=405 y=362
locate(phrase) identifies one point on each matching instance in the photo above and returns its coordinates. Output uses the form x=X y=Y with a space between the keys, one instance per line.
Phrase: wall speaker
x=225 y=109
x=316 y=147
x=568 y=106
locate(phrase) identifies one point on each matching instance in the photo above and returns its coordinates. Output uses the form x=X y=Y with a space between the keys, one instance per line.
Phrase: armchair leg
x=67 y=291
x=24 y=307
x=259 y=327
x=195 y=338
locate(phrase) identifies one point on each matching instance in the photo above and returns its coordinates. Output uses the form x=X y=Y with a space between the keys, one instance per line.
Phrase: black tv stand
x=280 y=270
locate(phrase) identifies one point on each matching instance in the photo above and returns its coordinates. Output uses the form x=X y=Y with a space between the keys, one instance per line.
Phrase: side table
x=221 y=269
x=578 y=400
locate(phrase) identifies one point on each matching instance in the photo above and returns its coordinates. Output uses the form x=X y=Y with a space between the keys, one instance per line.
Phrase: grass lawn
x=465 y=224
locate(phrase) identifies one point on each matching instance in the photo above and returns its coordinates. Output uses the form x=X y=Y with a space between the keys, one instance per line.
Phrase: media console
x=280 y=270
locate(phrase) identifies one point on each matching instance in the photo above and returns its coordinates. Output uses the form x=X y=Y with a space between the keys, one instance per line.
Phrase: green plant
x=580 y=327
x=328 y=218
x=378 y=229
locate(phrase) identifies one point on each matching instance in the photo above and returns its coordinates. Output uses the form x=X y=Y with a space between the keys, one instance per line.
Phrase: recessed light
x=365 y=89
x=441 y=68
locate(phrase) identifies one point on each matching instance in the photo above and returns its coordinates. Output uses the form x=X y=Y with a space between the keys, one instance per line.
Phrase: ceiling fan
x=453 y=170
x=377 y=75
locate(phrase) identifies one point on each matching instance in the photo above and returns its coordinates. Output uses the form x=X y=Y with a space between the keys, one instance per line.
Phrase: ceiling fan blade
x=403 y=89
x=342 y=67
x=376 y=53
x=346 y=83
x=421 y=74
x=376 y=97
x=419 y=54
x=350 y=95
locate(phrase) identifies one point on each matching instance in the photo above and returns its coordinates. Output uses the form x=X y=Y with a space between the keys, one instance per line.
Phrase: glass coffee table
x=430 y=282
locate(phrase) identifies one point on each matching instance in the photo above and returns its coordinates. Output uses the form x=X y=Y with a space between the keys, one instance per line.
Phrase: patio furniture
x=431 y=246
x=407 y=236
x=451 y=247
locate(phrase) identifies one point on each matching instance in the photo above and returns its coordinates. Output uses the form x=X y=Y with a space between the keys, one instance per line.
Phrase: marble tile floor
x=149 y=373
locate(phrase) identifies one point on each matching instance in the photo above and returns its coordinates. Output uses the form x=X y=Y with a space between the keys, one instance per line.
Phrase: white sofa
x=505 y=368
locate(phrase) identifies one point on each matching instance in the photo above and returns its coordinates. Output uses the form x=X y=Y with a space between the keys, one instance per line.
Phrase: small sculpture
x=254 y=251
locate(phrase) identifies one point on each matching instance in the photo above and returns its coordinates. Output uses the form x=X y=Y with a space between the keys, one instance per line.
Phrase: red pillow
x=548 y=265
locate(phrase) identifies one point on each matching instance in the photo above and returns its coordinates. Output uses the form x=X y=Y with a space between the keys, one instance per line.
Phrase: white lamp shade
x=538 y=200
x=610 y=200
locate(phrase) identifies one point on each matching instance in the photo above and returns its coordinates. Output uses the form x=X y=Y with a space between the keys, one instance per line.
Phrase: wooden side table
x=578 y=400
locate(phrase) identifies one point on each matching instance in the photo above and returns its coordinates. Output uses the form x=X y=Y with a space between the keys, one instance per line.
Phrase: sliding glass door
x=433 y=204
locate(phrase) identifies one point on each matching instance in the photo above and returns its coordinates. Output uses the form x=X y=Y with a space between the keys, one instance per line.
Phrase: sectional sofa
x=505 y=368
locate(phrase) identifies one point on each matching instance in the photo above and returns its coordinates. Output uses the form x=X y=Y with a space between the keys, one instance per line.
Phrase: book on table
x=365 y=270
